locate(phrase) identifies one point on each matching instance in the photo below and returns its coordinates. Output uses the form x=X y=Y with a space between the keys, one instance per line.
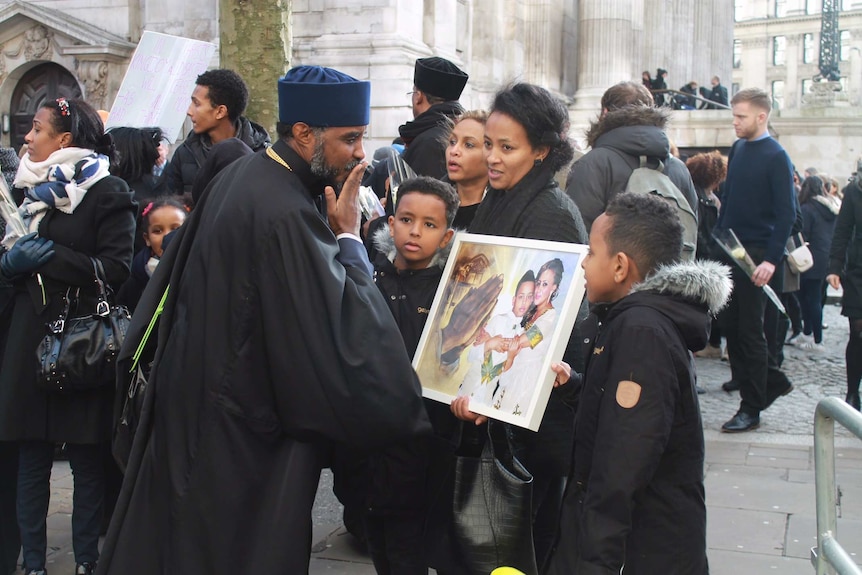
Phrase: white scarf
x=59 y=182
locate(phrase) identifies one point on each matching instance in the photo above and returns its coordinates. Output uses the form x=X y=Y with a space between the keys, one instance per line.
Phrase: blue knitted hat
x=322 y=98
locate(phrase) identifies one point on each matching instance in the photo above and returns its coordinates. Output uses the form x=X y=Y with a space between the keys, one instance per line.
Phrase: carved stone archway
x=45 y=81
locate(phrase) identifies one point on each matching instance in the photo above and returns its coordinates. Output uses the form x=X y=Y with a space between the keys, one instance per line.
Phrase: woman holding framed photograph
x=526 y=144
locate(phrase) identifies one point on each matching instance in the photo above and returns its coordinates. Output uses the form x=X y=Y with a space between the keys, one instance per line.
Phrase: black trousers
x=743 y=324
x=396 y=543
x=10 y=540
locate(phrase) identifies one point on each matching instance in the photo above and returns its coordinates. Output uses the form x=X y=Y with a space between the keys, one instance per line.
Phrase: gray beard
x=320 y=168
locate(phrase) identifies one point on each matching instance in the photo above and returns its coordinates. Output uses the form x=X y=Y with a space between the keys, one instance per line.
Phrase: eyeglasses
x=411 y=92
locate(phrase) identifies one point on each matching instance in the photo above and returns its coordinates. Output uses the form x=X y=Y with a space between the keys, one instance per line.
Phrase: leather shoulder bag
x=79 y=353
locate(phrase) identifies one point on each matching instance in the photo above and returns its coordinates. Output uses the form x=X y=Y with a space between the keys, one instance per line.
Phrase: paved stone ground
x=759 y=485
x=791 y=418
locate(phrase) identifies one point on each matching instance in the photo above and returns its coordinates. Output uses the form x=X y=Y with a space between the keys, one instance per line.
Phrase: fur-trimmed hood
x=832 y=203
x=628 y=116
x=705 y=282
x=687 y=294
x=385 y=244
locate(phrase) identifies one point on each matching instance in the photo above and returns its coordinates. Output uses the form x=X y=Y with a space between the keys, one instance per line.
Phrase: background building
x=576 y=48
x=777 y=47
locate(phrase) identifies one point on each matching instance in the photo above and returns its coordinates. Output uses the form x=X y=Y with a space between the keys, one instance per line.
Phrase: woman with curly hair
x=526 y=144
x=707 y=170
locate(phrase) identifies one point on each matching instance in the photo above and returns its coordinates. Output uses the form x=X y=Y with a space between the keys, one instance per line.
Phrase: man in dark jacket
x=629 y=127
x=216 y=108
x=264 y=358
x=718 y=94
x=437 y=85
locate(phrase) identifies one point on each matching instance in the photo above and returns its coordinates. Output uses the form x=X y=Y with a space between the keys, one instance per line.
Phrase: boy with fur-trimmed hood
x=390 y=486
x=635 y=497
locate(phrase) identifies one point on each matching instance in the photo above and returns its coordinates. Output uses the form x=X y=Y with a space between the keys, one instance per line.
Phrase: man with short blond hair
x=759 y=206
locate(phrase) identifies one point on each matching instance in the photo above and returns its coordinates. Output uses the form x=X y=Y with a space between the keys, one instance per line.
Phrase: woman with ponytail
x=72 y=210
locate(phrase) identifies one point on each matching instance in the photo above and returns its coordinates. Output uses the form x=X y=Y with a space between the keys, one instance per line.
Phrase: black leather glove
x=28 y=253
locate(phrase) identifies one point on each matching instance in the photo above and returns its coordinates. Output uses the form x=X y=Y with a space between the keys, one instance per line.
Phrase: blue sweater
x=758 y=203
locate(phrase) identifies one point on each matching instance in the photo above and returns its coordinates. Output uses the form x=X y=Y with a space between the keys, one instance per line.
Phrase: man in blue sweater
x=759 y=207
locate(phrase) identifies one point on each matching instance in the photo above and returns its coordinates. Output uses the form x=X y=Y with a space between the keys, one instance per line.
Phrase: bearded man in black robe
x=274 y=346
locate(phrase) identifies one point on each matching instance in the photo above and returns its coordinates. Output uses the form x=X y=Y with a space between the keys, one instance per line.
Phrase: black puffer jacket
x=818 y=217
x=707 y=215
x=845 y=257
x=425 y=138
x=393 y=481
x=618 y=139
x=636 y=495
x=179 y=175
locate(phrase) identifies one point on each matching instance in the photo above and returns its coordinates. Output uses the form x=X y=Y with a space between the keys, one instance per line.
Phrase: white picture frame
x=481 y=290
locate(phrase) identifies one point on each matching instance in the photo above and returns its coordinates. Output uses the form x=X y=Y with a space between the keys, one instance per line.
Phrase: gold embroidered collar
x=274 y=155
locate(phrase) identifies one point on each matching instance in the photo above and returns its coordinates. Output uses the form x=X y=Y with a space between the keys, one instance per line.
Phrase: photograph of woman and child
x=498 y=313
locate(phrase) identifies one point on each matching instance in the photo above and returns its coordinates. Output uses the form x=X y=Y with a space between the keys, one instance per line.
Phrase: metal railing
x=712 y=103
x=829 y=557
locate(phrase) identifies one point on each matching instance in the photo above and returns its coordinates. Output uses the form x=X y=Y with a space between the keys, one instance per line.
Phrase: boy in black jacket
x=407 y=270
x=635 y=497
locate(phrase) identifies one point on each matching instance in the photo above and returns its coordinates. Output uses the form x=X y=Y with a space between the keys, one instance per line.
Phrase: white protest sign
x=158 y=85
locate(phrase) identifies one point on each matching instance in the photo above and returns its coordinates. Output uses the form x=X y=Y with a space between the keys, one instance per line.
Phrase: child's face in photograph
x=599 y=265
x=523 y=299
x=419 y=230
x=161 y=222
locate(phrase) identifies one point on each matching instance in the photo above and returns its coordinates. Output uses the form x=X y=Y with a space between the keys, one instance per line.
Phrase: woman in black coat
x=818 y=224
x=525 y=146
x=707 y=170
x=845 y=270
x=73 y=210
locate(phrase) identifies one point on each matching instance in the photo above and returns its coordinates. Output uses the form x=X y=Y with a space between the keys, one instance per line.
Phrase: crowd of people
x=690 y=97
x=287 y=323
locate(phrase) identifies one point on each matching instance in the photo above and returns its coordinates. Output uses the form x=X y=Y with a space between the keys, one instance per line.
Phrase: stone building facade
x=575 y=48
x=776 y=47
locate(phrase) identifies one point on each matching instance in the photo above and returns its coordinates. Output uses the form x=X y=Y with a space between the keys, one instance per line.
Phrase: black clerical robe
x=272 y=349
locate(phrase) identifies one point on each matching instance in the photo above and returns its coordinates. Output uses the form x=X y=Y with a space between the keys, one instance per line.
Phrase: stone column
x=438 y=26
x=721 y=42
x=570 y=48
x=678 y=36
x=605 y=50
x=656 y=31
x=702 y=63
x=792 y=84
x=854 y=84
x=543 y=24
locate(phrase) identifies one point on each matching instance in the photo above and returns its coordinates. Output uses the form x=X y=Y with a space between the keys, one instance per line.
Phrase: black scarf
x=430 y=118
x=500 y=212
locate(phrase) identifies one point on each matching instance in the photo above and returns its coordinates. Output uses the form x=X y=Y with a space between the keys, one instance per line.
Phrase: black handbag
x=492 y=507
x=79 y=353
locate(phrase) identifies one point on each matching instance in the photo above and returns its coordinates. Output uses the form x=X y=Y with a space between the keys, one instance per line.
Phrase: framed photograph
x=503 y=312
